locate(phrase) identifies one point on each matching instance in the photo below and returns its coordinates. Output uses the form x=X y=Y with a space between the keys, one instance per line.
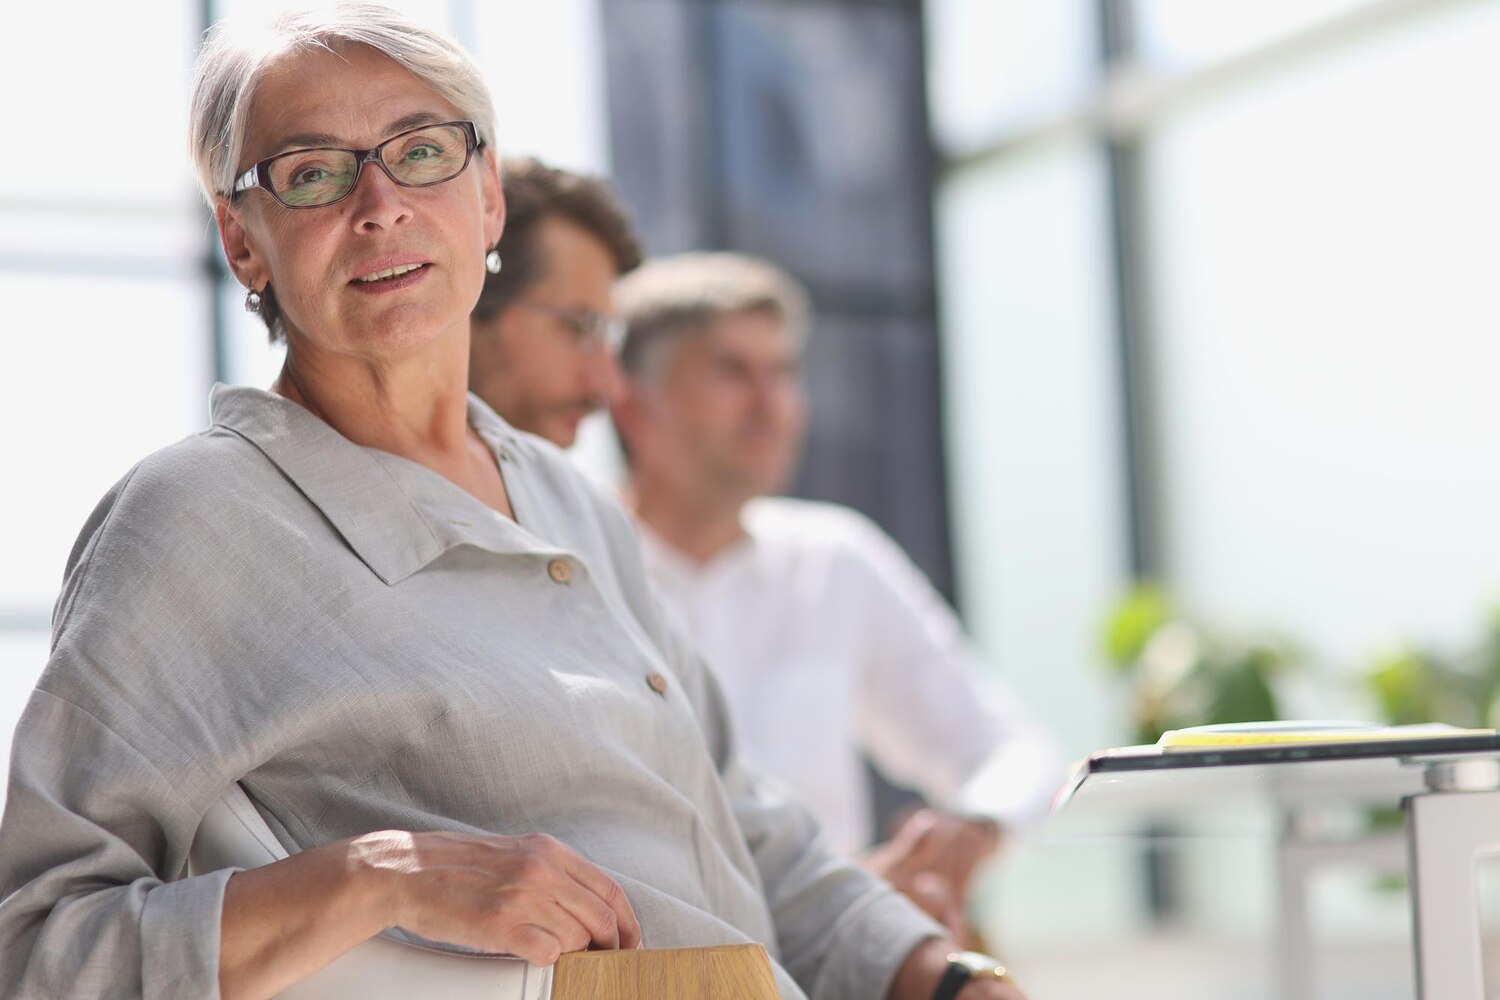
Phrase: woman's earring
x=252 y=301
x=492 y=262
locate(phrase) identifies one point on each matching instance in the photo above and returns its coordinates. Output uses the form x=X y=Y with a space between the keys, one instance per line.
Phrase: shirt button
x=657 y=682
x=560 y=571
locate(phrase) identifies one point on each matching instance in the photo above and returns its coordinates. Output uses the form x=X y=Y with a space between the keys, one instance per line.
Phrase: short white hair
x=235 y=54
x=668 y=300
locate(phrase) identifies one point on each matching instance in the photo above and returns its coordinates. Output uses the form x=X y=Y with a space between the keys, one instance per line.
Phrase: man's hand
x=932 y=859
x=530 y=896
x=919 y=975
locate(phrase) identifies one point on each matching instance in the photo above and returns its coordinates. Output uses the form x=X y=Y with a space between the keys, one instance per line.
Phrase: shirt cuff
x=180 y=937
x=1015 y=788
x=872 y=943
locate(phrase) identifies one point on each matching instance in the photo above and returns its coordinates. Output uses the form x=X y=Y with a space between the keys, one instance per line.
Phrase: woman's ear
x=493 y=194
x=239 y=248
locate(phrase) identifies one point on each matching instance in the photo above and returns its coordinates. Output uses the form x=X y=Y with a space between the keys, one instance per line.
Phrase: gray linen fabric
x=365 y=646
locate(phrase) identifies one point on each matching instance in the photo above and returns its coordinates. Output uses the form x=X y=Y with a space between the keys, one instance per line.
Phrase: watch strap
x=953 y=980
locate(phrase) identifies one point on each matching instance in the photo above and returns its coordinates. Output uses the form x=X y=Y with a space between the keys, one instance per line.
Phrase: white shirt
x=829 y=642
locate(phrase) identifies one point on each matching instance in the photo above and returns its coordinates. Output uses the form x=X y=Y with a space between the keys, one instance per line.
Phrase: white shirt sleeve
x=925 y=712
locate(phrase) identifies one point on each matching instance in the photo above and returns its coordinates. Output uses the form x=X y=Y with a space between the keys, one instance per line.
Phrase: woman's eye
x=426 y=151
x=308 y=175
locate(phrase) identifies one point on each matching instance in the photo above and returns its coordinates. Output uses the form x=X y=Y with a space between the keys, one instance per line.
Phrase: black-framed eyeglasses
x=593 y=329
x=312 y=178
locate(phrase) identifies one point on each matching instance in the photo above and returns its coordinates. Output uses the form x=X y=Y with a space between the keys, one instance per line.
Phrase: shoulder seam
x=86 y=561
x=173 y=786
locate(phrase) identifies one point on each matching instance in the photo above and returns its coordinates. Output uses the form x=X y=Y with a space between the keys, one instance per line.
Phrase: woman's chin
x=391 y=334
x=397 y=338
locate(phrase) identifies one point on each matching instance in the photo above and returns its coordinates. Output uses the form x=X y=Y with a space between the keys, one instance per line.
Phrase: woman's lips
x=381 y=286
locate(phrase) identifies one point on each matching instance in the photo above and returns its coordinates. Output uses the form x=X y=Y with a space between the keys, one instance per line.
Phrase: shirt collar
x=668 y=560
x=395 y=514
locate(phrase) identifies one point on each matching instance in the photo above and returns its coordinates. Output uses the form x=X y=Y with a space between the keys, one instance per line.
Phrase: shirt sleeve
x=87 y=846
x=107 y=783
x=841 y=932
x=924 y=710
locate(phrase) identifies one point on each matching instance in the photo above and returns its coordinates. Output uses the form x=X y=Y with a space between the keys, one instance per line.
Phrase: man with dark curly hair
x=544 y=329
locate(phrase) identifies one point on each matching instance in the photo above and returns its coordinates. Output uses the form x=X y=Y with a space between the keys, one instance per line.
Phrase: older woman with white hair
x=422 y=644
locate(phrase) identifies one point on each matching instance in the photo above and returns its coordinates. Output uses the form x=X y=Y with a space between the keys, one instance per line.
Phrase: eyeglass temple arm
x=249 y=179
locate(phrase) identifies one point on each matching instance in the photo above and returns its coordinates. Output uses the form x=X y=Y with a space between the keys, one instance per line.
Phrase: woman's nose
x=378 y=201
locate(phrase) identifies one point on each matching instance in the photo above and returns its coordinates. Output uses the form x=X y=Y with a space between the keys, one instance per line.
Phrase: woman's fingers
x=529 y=895
x=587 y=893
x=537 y=945
x=605 y=909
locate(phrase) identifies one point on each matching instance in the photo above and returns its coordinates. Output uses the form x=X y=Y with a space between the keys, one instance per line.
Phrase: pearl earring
x=492 y=262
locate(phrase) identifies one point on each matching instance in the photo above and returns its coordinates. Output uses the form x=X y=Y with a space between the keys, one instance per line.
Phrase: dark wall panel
x=658 y=115
x=797 y=131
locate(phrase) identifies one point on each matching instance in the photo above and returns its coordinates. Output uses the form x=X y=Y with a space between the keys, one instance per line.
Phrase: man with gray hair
x=829 y=642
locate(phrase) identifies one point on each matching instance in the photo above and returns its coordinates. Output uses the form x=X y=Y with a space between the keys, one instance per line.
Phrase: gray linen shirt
x=364 y=646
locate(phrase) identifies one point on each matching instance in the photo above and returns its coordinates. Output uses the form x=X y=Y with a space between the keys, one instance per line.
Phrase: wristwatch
x=964 y=966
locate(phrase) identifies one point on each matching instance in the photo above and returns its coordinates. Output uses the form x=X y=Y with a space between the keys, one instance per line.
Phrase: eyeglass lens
x=594 y=330
x=310 y=177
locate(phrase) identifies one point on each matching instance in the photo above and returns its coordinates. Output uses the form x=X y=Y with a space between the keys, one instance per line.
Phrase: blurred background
x=1164 y=334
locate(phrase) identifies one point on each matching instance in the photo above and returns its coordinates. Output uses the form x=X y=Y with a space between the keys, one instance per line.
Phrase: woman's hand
x=530 y=895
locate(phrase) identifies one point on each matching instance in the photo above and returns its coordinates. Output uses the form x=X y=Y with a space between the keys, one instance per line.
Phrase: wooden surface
x=726 y=972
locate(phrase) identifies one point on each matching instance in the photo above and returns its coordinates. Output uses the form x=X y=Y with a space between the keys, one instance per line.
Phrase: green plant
x=1180 y=675
x=1412 y=685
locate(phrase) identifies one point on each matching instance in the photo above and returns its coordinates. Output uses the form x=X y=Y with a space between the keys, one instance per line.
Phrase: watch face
x=980 y=966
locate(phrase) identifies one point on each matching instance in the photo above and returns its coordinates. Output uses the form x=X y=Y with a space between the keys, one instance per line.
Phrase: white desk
x=1449 y=787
